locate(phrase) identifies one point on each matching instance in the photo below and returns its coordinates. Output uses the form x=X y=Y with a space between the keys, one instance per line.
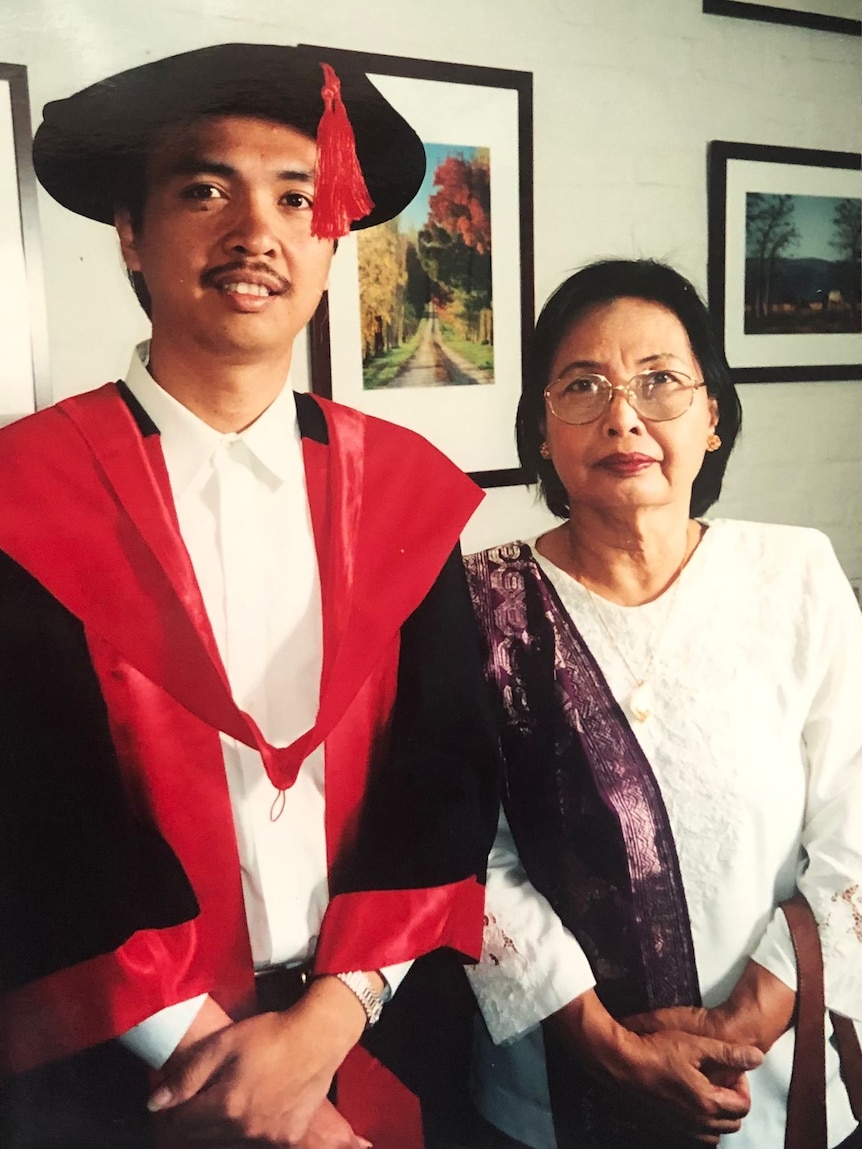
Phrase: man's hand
x=326 y=1130
x=263 y=1079
x=329 y=1130
x=691 y=1083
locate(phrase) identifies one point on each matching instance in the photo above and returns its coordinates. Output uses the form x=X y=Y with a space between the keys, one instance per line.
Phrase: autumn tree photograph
x=425 y=280
x=802 y=265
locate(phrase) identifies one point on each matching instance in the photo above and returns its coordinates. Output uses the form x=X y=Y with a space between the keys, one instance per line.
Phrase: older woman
x=679 y=712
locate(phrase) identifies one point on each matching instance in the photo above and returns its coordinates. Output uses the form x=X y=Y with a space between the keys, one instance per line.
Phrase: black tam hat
x=370 y=161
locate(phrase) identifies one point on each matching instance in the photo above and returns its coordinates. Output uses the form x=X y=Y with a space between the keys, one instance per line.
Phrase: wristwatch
x=371 y=1002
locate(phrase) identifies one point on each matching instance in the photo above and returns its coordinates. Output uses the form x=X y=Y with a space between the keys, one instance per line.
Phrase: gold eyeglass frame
x=630 y=393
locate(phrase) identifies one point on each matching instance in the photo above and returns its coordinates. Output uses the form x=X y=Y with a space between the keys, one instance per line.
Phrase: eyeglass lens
x=578 y=398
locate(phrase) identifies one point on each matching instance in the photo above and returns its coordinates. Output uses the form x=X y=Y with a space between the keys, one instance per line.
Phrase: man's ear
x=128 y=240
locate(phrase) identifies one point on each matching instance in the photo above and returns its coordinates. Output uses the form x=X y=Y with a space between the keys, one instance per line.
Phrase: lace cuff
x=517 y=986
x=840 y=922
x=839 y=919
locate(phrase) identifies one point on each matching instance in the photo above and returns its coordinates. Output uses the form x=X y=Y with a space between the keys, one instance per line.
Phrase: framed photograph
x=825 y=15
x=426 y=316
x=24 y=382
x=784 y=261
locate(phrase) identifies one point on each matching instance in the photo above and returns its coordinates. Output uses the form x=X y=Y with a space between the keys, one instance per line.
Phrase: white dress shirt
x=243 y=513
x=755 y=740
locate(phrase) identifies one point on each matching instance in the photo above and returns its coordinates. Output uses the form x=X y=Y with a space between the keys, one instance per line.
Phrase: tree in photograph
x=847 y=241
x=383 y=275
x=847 y=229
x=417 y=292
x=455 y=244
x=769 y=232
x=462 y=206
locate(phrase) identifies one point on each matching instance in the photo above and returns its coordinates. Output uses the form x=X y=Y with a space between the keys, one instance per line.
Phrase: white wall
x=627 y=94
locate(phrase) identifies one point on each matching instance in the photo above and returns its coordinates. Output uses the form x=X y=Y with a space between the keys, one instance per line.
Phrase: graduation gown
x=119 y=876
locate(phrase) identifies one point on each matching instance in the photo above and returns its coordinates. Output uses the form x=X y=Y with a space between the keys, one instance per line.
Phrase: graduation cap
x=370 y=161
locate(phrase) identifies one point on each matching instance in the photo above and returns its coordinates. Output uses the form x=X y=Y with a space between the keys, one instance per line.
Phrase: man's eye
x=296 y=199
x=201 y=192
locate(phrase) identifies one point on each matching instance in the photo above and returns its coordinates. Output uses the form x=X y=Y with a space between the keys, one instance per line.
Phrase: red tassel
x=340 y=195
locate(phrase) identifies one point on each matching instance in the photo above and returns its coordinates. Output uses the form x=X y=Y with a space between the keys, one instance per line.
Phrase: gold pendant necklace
x=641 y=701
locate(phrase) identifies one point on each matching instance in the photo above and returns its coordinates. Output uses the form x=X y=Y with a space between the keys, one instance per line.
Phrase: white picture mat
x=17 y=384
x=743 y=350
x=473 y=425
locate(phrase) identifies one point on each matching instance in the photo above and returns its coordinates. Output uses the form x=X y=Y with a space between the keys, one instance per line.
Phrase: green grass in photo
x=479 y=354
x=385 y=367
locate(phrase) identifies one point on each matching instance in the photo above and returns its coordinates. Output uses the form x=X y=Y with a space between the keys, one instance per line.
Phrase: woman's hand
x=758 y=1011
x=692 y=1083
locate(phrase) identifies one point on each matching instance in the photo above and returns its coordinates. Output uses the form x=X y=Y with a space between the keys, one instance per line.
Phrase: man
x=241 y=727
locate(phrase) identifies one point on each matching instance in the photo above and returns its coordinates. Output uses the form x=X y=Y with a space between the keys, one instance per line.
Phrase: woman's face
x=622 y=460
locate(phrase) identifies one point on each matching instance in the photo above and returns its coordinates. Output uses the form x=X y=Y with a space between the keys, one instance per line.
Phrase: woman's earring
x=713 y=442
x=545 y=451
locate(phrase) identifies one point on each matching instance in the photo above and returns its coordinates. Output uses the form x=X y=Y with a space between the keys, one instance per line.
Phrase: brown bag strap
x=806 y=1102
x=850 y=1056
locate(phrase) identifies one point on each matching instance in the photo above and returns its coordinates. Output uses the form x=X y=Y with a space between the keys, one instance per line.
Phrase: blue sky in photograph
x=812 y=216
x=416 y=213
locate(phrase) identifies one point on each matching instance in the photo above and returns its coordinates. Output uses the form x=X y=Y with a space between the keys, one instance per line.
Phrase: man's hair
x=604 y=282
x=130 y=196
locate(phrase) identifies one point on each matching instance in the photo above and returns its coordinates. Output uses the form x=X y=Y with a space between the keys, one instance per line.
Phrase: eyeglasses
x=656 y=395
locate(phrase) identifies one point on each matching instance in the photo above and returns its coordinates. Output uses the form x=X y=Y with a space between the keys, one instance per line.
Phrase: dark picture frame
x=787 y=335
x=813 y=16
x=24 y=379
x=473 y=109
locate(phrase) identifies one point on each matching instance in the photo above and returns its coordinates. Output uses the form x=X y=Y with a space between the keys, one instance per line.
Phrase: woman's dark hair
x=604 y=282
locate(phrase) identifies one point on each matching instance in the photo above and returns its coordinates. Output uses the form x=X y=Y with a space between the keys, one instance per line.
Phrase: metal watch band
x=358 y=983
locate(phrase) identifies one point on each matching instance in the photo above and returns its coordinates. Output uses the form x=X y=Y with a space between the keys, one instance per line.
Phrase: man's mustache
x=255 y=271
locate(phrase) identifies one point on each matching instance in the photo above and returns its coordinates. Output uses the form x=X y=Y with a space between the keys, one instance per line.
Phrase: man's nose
x=251 y=230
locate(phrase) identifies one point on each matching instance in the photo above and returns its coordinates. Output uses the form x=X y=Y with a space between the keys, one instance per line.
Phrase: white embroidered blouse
x=755 y=739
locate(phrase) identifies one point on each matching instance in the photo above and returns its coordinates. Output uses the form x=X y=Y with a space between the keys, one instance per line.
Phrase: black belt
x=281 y=986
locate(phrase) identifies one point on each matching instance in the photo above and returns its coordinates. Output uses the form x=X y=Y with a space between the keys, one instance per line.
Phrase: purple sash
x=581 y=798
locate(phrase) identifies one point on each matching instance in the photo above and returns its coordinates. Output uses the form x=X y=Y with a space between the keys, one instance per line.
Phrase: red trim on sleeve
x=376 y=928
x=98 y=999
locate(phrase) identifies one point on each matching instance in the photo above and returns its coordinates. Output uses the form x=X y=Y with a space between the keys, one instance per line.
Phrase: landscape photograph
x=802 y=265
x=426 y=304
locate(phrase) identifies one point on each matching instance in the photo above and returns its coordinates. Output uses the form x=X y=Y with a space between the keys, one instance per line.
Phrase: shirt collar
x=188 y=443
